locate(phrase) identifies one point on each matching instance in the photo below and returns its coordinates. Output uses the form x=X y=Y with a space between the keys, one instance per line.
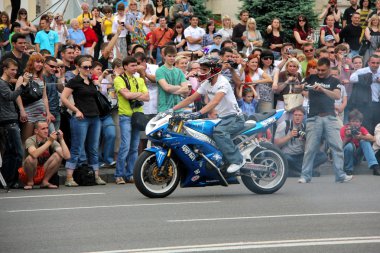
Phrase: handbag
x=84 y=175
x=32 y=94
x=292 y=101
x=104 y=105
x=364 y=46
x=139 y=121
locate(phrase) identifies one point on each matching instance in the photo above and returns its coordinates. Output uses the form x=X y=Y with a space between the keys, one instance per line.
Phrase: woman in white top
x=148 y=18
x=226 y=31
x=60 y=27
x=27 y=28
x=252 y=37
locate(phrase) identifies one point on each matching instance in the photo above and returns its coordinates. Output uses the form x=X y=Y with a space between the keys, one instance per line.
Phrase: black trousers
x=13 y=153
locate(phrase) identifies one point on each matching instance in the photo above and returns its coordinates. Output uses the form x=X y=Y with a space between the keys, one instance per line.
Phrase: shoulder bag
x=32 y=94
x=104 y=105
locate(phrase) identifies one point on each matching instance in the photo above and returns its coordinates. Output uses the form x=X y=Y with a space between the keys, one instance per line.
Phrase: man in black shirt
x=322 y=122
x=351 y=34
x=18 y=54
x=239 y=29
x=10 y=132
x=349 y=11
x=67 y=56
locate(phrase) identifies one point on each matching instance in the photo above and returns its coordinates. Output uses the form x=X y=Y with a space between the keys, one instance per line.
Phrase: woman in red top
x=302 y=32
x=91 y=37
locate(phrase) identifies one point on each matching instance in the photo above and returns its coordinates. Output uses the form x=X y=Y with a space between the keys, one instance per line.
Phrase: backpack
x=84 y=175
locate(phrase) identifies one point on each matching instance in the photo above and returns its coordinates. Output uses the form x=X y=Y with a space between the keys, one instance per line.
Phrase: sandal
x=28 y=187
x=48 y=186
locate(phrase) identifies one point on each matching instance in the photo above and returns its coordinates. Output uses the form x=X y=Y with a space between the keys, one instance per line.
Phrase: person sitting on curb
x=357 y=142
x=44 y=156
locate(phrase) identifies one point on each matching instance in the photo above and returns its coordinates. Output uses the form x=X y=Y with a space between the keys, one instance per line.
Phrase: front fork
x=164 y=168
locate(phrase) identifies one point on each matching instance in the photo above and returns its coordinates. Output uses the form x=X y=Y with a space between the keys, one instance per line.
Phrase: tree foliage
x=263 y=11
x=199 y=9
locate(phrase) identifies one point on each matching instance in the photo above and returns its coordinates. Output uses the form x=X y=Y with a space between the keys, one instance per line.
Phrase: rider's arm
x=187 y=101
x=213 y=103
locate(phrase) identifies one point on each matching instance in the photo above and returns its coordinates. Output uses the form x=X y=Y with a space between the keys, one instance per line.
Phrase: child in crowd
x=341 y=103
x=246 y=99
x=217 y=42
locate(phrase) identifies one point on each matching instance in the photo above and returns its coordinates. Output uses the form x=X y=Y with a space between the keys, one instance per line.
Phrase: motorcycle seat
x=262 y=116
x=247 y=125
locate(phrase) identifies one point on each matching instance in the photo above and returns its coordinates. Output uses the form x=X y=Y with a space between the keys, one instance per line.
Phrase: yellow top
x=107 y=24
x=124 y=106
x=80 y=19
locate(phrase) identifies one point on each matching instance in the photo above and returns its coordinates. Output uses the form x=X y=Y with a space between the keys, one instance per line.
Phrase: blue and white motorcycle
x=183 y=151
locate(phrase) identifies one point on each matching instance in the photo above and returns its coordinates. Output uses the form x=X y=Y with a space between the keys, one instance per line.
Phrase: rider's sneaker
x=235 y=167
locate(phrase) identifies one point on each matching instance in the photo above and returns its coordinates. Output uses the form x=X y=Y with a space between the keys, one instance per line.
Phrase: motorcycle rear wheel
x=272 y=180
x=150 y=181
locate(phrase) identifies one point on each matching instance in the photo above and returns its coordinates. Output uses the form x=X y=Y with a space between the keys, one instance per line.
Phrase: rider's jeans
x=222 y=136
x=316 y=127
x=353 y=156
x=130 y=139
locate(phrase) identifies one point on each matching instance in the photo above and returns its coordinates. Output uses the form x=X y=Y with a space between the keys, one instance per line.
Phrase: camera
x=308 y=87
x=110 y=71
x=135 y=104
x=354 y=130
x=301 y=133
x=122 y=23
x=233 y=64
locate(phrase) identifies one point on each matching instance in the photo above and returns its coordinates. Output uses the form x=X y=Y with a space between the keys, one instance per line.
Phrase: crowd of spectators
x=143 y=57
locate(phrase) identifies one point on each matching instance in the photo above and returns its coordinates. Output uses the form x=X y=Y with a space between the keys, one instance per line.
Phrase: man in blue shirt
x=46 y=38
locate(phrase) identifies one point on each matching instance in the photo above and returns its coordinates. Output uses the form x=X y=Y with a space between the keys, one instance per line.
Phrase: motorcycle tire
x=147 y=176
x=272 y=180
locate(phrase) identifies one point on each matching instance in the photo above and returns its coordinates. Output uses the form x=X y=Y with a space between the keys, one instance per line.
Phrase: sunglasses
x=67 y=46
x=23 y=13
x=267 y=58
x=53 y=66
x=86 y=22
x=86 y=67
x=308 y=51
x=301 y=20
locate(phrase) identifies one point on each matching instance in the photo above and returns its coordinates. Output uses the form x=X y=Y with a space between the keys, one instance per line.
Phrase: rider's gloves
x=193 y=115
x=169 y=111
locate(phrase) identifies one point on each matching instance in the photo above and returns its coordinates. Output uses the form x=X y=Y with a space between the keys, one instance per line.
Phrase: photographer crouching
x=357 y=142
x=291 y=138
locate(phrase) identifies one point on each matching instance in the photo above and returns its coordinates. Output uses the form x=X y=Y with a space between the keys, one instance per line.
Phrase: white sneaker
x=302 y=180
x=235 y=167
x=347 y=178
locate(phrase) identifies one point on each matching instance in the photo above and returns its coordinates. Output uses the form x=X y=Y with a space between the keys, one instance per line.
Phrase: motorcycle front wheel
x=152 y=181
x=274 y=177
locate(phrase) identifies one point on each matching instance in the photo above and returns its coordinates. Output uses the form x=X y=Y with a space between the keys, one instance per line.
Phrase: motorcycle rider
x=222 y=99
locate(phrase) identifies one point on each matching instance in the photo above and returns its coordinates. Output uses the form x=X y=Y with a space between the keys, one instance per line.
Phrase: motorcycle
x=183 y=151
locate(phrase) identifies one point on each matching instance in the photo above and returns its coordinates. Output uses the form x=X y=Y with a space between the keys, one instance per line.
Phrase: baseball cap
x=329 y=38
x=217 y=35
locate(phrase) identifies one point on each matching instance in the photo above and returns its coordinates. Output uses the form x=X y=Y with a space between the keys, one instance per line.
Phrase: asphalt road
x=322 y=216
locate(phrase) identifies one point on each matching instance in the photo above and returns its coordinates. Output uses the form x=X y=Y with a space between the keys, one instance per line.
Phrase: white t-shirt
x=150 y=107
x=228 y=105
x=195 y=33
x=115 y=25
